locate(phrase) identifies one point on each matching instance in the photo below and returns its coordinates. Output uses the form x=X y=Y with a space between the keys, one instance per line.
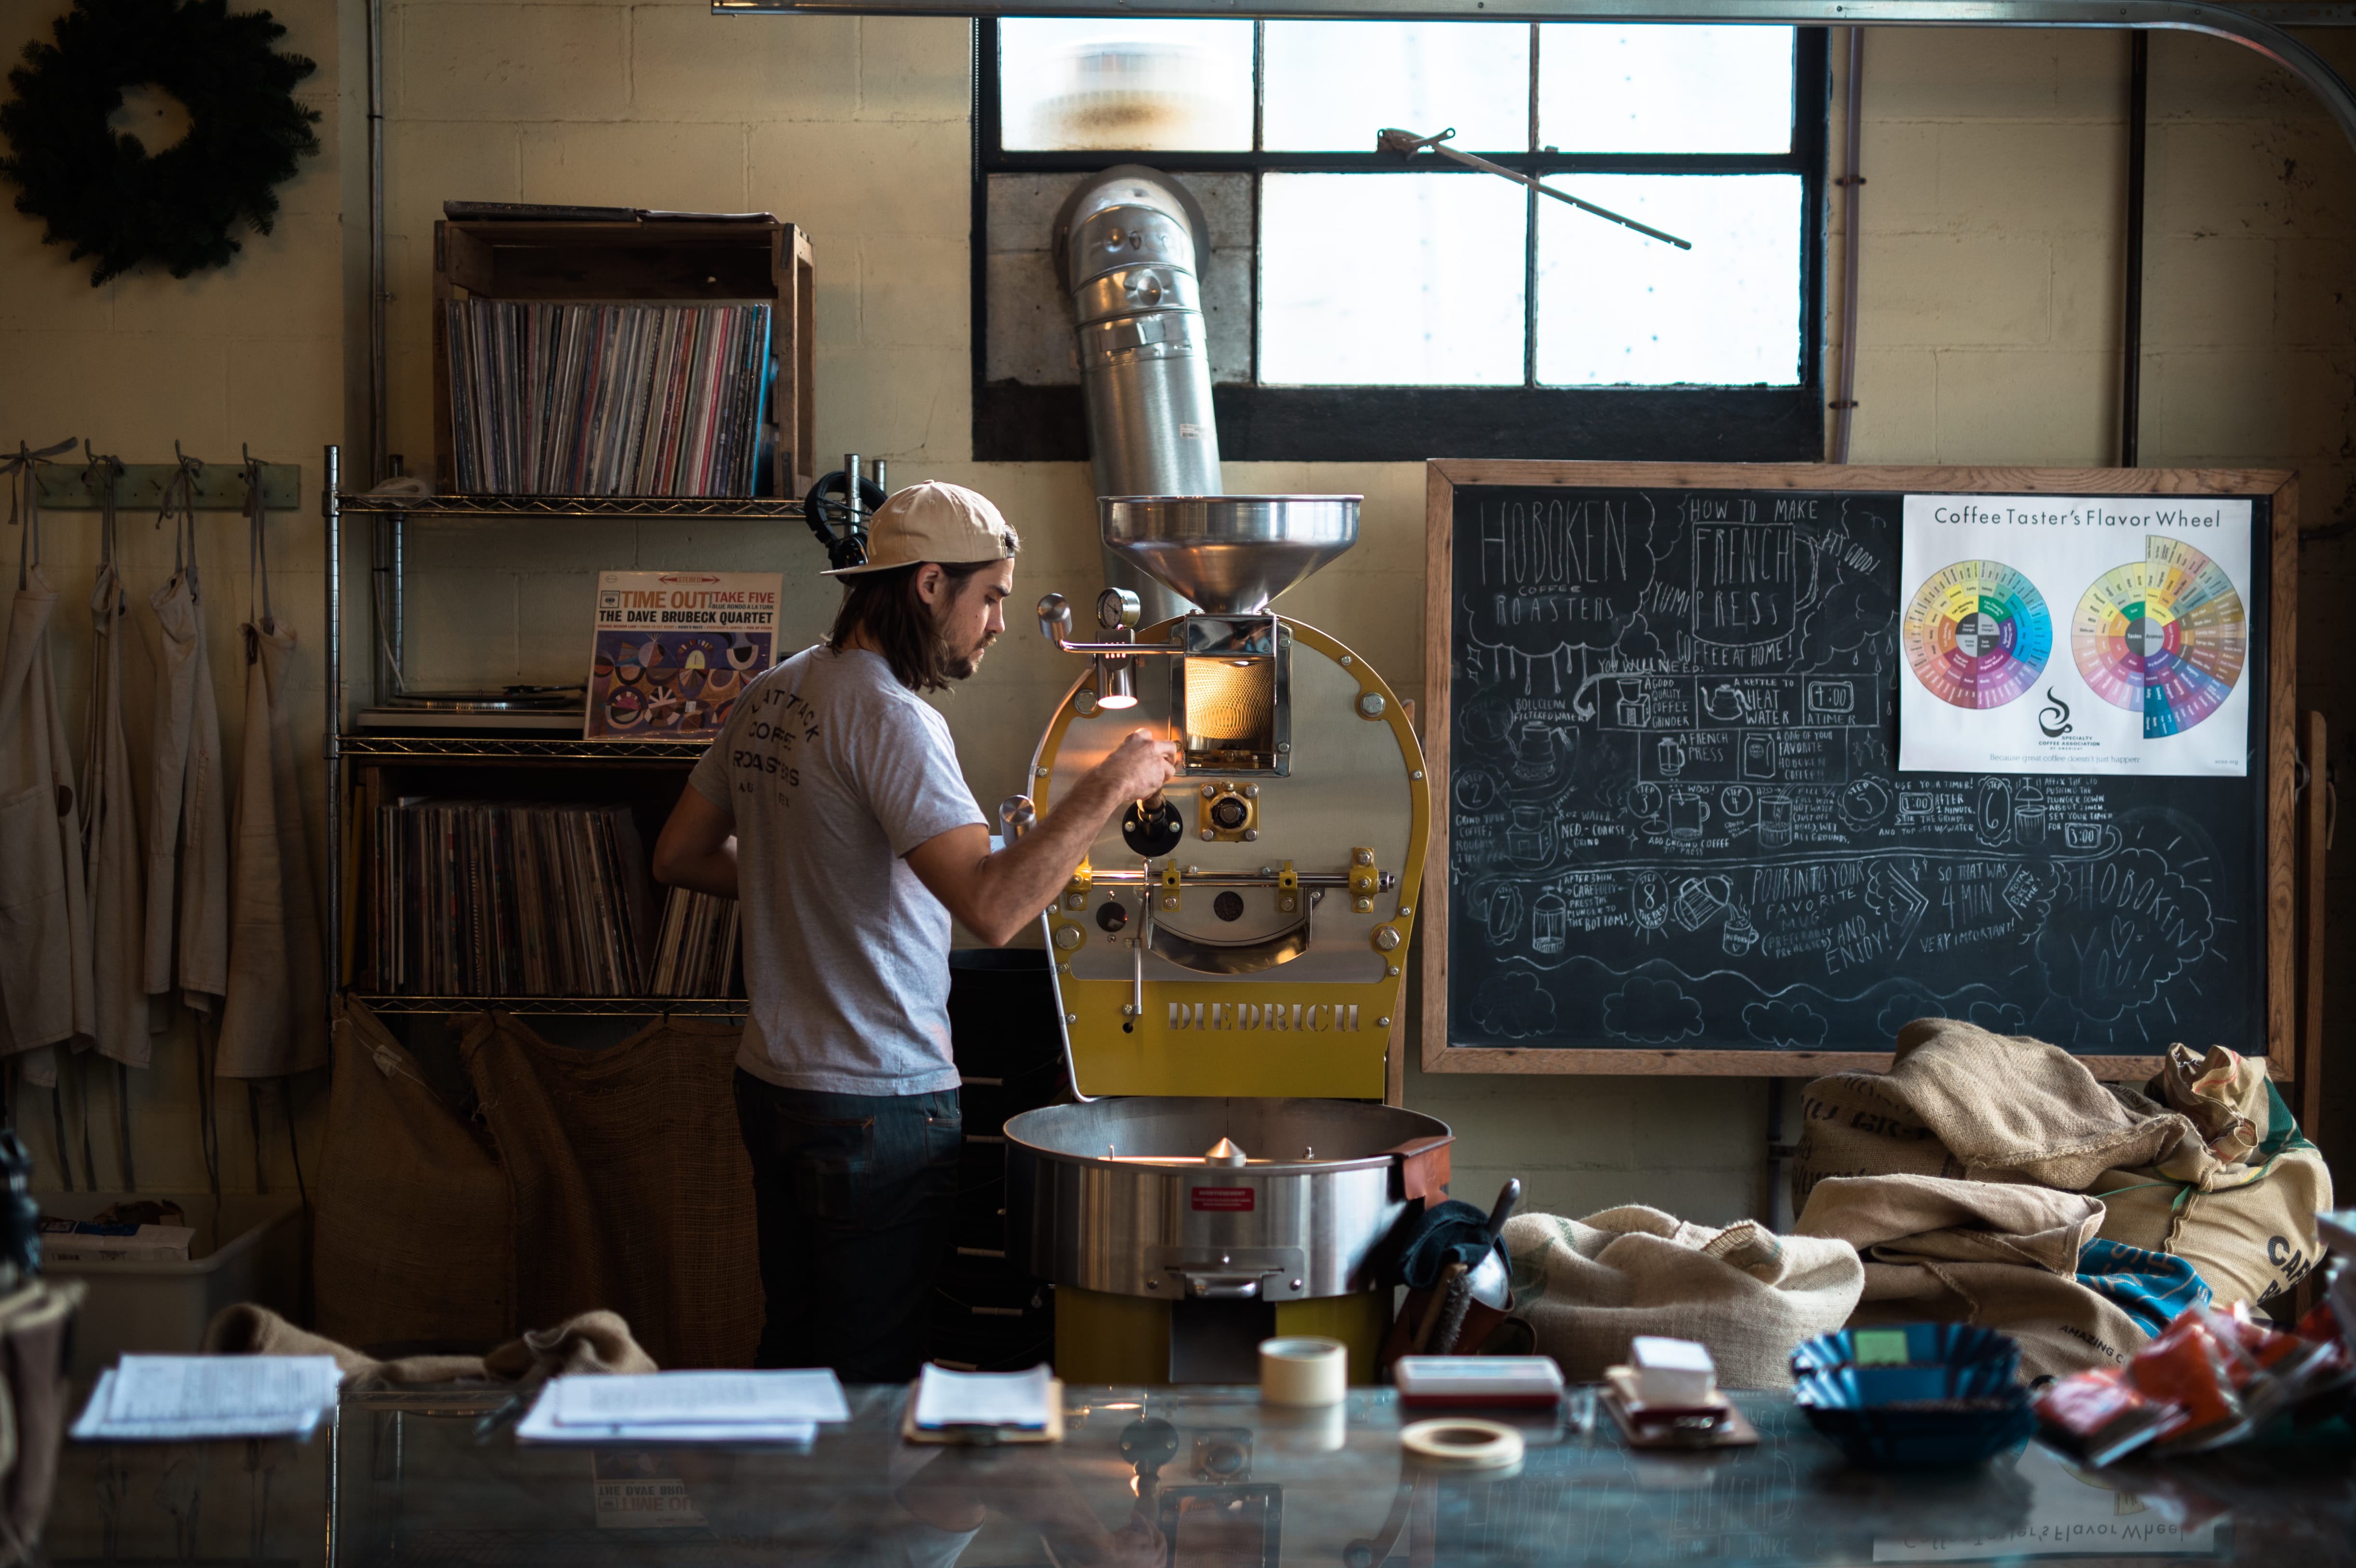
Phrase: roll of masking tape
x=1455 y=1443
x=1305 y=1372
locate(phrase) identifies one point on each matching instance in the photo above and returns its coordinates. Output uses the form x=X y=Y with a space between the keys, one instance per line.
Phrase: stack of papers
x=1010 y=1401
x=177 y=1398
x=686 y=1407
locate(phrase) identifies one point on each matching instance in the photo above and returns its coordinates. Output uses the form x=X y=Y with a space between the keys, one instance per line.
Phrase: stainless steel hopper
x=1230 y=554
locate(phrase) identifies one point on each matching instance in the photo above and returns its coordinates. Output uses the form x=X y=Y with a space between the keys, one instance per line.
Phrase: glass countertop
x=1209 y=1478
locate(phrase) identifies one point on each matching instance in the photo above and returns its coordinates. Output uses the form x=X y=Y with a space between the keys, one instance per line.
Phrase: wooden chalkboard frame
x=1442 y=478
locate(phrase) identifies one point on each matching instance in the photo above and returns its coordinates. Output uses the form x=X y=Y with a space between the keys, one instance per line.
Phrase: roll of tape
x=1455 y=1443
x=1305 y=1372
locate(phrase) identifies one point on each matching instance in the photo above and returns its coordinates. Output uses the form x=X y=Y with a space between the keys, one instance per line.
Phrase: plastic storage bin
x=248 y=1247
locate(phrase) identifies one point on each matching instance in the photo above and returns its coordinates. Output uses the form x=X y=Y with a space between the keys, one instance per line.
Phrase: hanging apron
x=187 y=838
x=274 y=1020
x=110 y=817
x=45 y=996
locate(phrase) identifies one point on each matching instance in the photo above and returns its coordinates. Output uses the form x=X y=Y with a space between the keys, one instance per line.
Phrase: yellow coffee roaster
x=1245 y=932
x=1229 y=960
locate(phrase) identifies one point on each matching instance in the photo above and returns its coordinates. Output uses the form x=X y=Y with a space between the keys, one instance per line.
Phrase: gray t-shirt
x=833 y=771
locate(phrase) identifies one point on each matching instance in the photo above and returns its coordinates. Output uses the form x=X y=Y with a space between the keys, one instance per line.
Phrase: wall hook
x=104 y=463
x=183 y=482
x=253 y=466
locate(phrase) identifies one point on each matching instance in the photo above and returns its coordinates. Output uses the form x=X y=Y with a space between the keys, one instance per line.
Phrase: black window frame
x=1013 y=422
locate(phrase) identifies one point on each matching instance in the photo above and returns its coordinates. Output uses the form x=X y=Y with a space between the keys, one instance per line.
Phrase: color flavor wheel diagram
x=2165 y=636
x=1977 y=633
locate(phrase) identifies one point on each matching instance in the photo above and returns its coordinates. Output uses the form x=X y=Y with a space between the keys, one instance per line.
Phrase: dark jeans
x=855 y=1194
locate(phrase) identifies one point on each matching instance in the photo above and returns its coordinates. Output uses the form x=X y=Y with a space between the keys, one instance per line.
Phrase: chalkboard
x=1662 y=711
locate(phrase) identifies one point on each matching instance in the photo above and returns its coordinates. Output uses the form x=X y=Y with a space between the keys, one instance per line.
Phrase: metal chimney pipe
x=1127 y=246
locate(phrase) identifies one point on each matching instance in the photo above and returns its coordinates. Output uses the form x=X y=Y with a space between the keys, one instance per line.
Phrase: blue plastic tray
x=1847 y=1384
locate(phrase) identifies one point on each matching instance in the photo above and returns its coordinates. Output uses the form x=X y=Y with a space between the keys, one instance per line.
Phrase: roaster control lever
x=1055 y=619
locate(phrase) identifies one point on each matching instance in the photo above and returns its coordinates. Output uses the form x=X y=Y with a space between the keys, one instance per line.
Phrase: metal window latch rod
x=1407 y=144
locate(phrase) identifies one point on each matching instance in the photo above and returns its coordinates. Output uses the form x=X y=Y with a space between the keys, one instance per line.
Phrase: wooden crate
x=671 y=260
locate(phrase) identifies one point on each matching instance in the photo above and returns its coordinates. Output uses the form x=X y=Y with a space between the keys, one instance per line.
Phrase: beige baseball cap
x=933 y=521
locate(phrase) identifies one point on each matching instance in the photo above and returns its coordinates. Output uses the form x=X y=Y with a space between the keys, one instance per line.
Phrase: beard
x=960 y=667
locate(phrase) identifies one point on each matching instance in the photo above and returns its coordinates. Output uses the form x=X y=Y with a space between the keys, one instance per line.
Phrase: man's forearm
x=1025 y=878
x=714 y=873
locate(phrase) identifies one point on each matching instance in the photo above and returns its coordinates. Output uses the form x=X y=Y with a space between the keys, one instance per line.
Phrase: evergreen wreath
x=104 y=194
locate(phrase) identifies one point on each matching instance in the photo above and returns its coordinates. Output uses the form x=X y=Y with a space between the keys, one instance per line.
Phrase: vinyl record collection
x=606 y=399
x=696 y=955
x=501 y=898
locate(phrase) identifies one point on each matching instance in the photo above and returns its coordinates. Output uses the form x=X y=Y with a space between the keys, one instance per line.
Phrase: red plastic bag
x=2101 y=1417
x=2187 y=1368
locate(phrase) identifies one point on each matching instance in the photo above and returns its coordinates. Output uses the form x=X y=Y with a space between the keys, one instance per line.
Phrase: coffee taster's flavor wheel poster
x=1977 y=633
x=2165 y=636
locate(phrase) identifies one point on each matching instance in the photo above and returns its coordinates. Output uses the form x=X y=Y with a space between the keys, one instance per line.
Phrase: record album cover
x=673 y=650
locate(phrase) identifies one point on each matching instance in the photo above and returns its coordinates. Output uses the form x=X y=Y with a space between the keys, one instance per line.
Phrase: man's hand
x=1137 y=767
x=994 y=896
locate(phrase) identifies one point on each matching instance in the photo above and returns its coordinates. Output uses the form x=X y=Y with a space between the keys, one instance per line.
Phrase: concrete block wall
x=1993 y=224
x=2249 y=358
x=852 y=127
x=1989 y=311
x=1990 y=324
x=1029 y=337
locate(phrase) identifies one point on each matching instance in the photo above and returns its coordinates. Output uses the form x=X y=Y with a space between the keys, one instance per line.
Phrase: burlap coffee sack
x=1872 y=1124
x=1851 y=1124
x=628 y=1182
x=1962 y=1102
x=2014 y=1109
x=1589 y=1286
x=2140 y=1208
x=2001 y=1256
x=1903 y=1218
x=415 y=1242
x=246 y=1328
x=592 y=1342
x=2248 y=1226
x=36 y=1328
x=2223 y=1093
x=2061 y=1326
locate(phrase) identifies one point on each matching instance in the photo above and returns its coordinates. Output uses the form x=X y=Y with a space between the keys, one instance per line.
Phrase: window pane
x=1153 y=86
x=1664 y=89
x=1390 y=280
x=1615 y=308
x=1332 y=85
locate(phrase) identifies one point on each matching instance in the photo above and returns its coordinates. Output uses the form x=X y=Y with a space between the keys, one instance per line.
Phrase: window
x=1365 y=308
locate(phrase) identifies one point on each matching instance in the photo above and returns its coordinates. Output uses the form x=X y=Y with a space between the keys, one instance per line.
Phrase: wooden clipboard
x=985 y=1436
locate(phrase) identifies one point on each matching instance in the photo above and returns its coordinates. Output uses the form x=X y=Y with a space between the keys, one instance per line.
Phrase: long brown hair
x=887 y=607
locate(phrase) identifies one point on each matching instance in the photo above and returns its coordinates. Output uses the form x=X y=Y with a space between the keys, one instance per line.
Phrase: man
x=832 y=807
